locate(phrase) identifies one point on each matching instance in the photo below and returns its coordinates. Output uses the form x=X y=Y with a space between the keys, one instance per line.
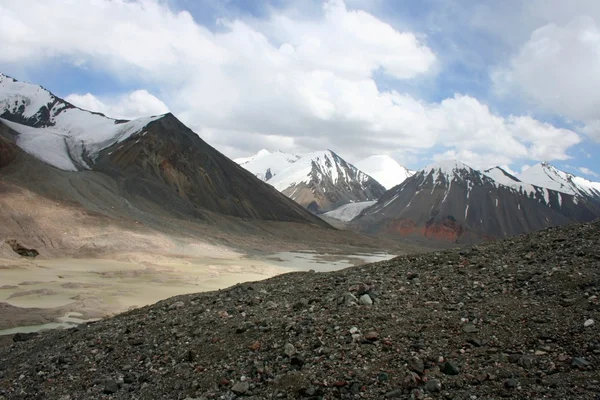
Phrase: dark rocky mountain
x=452 y=202
x=323 y=181
x=156 y=159
x=516 y=318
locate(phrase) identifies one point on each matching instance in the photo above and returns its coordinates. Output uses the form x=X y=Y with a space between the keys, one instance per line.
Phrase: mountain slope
x=156 y=159
x=451 y=201
x=322 y=181
x=546 y=175
x=265 y=165
x=385 y=170
x=476 y=313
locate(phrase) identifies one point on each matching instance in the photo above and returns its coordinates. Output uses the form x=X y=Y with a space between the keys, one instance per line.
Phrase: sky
x=487 y=82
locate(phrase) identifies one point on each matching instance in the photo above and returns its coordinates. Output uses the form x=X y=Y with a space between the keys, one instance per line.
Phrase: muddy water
x=323 y=262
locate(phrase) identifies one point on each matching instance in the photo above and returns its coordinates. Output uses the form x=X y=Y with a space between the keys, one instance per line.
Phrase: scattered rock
x=289 y=349
x=366 y=300
x=240 y=388
x=580 y=363
x=511 y=383
x=588 y=322
x=449 y=368
x=415 y=364
x=111 y=387
x=470 y=328
x=433 y=386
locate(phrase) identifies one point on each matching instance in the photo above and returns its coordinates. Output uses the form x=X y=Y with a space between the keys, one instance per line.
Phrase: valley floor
x=41 y=293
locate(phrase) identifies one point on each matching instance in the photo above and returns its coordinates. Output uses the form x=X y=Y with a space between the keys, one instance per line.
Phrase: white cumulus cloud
x=285 y=81
x=557 y=69
x=136 y=104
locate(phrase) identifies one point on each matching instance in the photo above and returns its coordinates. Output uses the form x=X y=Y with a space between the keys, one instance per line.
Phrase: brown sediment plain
x=44 y=290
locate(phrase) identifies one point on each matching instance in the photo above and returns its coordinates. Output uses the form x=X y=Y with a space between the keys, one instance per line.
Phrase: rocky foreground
x=518 y=318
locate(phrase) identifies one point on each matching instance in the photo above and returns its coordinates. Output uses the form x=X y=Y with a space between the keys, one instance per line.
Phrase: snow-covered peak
x=448 y=169
x=57 y=132
x=23 y=98
x=318 y=166
x=265 y=164
x=385 y=170
x=548 y=176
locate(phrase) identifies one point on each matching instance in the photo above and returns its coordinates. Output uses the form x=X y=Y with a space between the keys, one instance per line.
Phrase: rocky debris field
x=518 y=318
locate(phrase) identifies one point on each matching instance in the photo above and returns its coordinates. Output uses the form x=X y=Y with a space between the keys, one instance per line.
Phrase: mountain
x=155 y=161
x=546 y=175
x=451 y=201
x=323 y=181
x=265 y=164
x=385 y=170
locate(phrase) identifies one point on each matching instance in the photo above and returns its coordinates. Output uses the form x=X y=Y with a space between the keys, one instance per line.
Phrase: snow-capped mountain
x=266 y=165
x=57 y=132
x=452 y=201
x=156 y=162
x=546 y=175
x=385 y=170
x=322 y=181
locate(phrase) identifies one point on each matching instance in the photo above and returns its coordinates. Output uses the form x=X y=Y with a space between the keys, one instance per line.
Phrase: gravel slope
x=517 y=319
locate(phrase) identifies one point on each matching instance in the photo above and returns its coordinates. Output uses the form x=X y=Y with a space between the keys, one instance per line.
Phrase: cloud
x=587 y=171
x=557 y=69
x=133 y=105
x=286 y=81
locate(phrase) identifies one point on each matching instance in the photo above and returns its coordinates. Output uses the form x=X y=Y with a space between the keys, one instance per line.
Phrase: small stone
x=111 y=387
x=372 y=336
x=449 y=368
x=255 y=346
x=240 y=388
x=470 y=328
x=383 y=377
x=301 y=304
x=415 y=364
x=511 y=383
x=394 y=394
x=353 y=330
x=176 y=305
x=580 y=363
x=366 y=300
x=588 y=322
x=355 y=388
x=271 y=305
x=289 y=349
x=433 y=386
x=350 y=299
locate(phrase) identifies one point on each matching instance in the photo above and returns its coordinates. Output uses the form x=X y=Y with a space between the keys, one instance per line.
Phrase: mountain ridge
x=451 y=201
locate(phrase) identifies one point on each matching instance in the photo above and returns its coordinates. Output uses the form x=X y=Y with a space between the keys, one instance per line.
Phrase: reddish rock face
x=446 y=230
